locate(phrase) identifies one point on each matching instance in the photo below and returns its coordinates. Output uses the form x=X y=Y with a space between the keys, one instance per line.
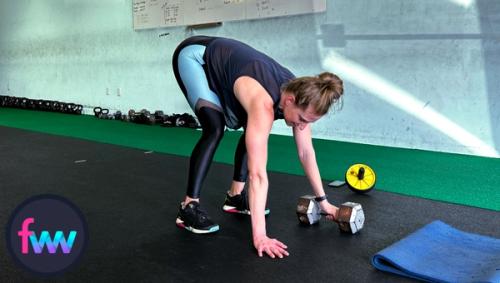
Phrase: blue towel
x=440 y=253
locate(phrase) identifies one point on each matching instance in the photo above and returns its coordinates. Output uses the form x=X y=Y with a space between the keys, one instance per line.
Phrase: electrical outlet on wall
x=118 y=92
x=107 y=91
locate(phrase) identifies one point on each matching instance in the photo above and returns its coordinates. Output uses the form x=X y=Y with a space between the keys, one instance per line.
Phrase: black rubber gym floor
x=130 y=199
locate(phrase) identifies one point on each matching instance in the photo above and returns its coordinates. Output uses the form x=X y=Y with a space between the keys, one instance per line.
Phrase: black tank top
x=227 y=60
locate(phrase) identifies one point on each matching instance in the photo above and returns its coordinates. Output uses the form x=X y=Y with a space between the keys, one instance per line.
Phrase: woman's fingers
x=275 y=249
x=280 y=244
x=272 y=247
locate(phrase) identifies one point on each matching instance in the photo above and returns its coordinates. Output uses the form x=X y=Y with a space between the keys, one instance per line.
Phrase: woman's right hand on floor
x=272 y=247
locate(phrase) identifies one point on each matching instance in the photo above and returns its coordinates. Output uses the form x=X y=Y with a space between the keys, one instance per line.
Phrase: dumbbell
x=118 y=116
x=143 y=117
x=3 y=100
x=171 y=120
x=75 y=108
x=159 y=117
x=188 y=121
x=350 y=219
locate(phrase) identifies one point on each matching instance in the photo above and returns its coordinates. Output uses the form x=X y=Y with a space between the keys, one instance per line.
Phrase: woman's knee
x=212 y=122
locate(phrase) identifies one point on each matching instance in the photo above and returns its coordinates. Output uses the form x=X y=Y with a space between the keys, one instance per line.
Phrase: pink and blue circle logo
x=47 y=235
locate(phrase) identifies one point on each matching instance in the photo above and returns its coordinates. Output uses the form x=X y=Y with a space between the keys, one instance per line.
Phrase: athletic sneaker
x=238 y=204
x=194 y=219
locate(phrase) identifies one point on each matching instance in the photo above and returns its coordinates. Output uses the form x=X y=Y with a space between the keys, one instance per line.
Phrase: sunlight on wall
x=394 y=95
x=463 y=3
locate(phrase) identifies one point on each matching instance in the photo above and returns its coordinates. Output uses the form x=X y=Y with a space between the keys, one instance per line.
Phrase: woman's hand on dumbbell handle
x=331 y=211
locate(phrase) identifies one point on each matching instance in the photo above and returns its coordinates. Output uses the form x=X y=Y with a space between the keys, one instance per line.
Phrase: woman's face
x=296 y=117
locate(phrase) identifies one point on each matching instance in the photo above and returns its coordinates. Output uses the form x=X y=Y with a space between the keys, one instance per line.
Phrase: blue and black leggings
x=190 y=74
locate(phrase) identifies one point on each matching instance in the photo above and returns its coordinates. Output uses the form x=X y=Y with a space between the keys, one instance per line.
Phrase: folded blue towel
x=440 y=253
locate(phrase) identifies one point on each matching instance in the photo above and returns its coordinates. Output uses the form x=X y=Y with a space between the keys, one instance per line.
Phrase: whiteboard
x=168 y=13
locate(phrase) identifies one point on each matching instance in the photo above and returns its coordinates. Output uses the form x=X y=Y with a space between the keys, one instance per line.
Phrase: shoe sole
x=233 y=209
x=181 y=224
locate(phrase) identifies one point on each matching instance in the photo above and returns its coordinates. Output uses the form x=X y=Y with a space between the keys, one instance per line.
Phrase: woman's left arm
x=307 y=157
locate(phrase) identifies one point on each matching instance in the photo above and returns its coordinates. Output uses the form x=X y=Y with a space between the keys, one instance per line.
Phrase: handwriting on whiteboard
x=165 y=13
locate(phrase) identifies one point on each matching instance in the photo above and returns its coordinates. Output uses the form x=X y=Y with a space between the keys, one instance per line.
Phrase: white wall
x=418 y=74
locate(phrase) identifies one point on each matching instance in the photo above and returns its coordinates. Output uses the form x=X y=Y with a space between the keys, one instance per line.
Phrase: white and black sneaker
x=238 y=204
x=194 y=219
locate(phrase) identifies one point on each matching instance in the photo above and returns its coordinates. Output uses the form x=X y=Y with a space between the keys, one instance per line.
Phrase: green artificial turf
x=461 y=179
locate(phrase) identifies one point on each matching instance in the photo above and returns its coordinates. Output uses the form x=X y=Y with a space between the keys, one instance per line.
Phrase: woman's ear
x=289 y=99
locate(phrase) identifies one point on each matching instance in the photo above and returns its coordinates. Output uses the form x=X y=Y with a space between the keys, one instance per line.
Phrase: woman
x=228 y=83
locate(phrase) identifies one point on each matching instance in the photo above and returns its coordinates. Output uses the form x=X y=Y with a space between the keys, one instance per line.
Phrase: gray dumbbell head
x=308 y=210
x=351 y=217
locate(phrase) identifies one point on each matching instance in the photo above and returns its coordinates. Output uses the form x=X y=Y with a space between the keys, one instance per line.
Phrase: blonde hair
x=320 y=92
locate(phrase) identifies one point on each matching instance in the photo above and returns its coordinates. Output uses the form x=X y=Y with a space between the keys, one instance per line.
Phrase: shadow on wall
x=489 y=19
x=335 y=36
